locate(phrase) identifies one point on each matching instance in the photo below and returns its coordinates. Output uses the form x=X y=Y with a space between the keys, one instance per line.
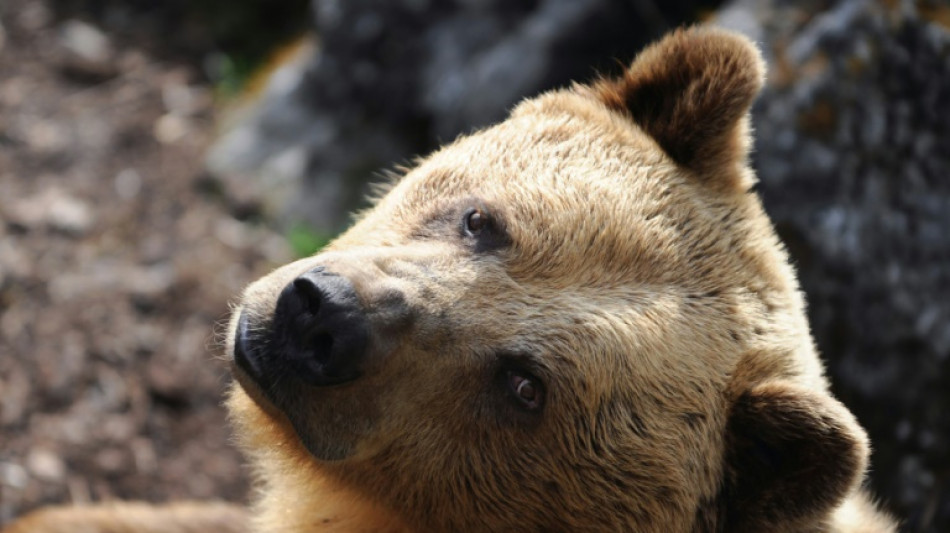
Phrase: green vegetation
x=305 y=241
x=247 y=33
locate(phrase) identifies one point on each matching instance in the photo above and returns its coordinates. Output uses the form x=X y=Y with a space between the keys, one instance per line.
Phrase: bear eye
x=526 y=389
x=481 y=230
x=475 y=221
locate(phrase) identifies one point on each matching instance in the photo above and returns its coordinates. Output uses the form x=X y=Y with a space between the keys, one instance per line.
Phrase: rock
x=88 y=51
x=45 y=136
x=13 y=475
x=128 y=183
x=16 y=390
x=46 y=465
x=85 y=41
x=113 y=460
x=185 y=100
x=395 y=79
x=171 y=128
x=853 y=154
x=14 y=260
x=53 y=208
x=143 y=455
x=34 y=16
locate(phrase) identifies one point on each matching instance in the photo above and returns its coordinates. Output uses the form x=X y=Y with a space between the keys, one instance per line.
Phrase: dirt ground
x=118 y=257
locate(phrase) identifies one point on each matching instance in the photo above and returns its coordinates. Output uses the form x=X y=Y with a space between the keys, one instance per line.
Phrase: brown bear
x=579 y=319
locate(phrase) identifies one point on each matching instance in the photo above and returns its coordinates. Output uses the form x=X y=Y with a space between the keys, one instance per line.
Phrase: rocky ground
x=118 y=257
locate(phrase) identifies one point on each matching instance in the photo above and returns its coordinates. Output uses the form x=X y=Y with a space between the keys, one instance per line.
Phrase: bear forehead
x=583 y=194
x=545 y=154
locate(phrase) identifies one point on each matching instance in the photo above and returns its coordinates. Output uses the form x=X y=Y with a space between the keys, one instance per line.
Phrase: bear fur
x=136 y=517
x=579 y=319
x=622 y=265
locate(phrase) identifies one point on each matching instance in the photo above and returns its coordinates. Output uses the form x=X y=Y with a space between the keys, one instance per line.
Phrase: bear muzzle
x=320 y=334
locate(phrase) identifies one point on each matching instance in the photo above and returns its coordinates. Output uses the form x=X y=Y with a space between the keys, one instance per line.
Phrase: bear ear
x=691 y=92
x=792 y=456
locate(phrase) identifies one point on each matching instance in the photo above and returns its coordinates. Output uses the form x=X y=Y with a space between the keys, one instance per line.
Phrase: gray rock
x=853 y=154
x=392 y=80
x=88 y=51
x=85 y=40
x=52 y=208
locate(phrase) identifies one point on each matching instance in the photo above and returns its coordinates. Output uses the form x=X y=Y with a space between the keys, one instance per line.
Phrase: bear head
x=579 y=319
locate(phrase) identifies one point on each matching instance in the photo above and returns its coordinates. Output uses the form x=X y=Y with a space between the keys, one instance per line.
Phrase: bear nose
x=320 y=330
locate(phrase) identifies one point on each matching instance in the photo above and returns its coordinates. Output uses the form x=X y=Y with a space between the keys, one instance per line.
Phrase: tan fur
x=185 y=517
x=859 y=515
x=292 y=498
x=633 y=271
x=639 y=276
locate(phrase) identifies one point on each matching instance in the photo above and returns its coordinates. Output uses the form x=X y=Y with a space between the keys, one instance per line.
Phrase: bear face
x=579 y=319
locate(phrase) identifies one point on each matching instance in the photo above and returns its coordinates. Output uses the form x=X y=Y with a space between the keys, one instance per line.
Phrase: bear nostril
x=311 y=293
x=322 y=344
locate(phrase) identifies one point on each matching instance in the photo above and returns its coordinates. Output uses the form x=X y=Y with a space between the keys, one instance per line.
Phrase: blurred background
x=156 y=156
